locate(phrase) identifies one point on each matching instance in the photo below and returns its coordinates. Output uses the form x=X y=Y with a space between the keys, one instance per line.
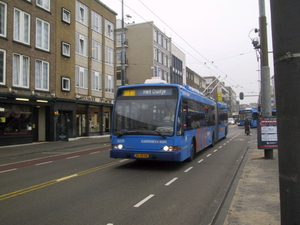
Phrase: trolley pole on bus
x=265 y=69
x=286 y=41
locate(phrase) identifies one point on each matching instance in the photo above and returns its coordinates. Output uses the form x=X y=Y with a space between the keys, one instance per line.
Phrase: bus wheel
x=192 y=151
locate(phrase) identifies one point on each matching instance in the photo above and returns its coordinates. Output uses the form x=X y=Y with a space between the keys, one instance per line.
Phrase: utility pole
x=286 y=53
x=123 y=48
x=265 y=69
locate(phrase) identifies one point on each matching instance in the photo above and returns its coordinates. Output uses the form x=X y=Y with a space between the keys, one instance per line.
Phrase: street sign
x=219 y=97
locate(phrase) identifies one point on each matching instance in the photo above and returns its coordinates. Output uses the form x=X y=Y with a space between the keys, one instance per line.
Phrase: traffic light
x=241 y=95
x=259 y=107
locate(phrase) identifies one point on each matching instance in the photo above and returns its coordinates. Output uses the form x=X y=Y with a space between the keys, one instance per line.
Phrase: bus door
x=215 y=115
x=186 y=126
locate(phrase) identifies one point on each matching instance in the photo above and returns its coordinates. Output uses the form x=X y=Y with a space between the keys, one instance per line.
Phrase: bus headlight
x=168 y=148
x=119 y=146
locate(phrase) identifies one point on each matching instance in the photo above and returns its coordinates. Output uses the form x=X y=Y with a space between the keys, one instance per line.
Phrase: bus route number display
x=267 y=133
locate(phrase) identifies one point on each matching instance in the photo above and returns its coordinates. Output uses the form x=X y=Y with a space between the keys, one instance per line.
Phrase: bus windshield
x=145 y=116
x=245 y=114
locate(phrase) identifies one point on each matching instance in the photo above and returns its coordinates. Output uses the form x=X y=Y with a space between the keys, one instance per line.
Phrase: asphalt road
x=91 y=188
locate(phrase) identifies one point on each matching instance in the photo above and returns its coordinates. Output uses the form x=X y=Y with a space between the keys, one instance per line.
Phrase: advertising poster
x=267 y=133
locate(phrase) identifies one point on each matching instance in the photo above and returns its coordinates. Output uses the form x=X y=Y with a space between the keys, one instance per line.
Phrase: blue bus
x=164 y=122
x=250 y=113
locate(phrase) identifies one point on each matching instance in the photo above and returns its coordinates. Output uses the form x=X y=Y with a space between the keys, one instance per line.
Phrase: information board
x=267 y=133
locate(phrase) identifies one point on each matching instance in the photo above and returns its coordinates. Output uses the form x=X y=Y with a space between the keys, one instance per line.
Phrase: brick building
x=57 y=70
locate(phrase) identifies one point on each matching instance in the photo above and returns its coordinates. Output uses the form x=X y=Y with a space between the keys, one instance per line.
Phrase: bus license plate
x=144 y=156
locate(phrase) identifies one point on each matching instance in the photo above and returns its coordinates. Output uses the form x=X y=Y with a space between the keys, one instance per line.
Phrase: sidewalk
x=255 y=200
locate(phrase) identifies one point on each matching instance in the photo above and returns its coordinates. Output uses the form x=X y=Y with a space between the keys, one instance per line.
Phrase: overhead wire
x=206 y=59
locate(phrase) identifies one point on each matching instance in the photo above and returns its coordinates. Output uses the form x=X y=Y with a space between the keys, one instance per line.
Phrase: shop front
x=24 y=120
x=92 y=119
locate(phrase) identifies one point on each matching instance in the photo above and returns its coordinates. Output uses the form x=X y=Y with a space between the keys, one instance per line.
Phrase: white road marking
x=143 y=201
x=124 y=160
x=215 y=150
x=73 y=157
x=171 y=181
x=94 y=153
x=8 y=170
x=43 y=163
x=187 y=170
x=208 y=155
x=66 y=178
x=201 y=160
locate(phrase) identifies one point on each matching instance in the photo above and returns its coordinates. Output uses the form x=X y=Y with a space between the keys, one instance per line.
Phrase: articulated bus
x=165 y=122
x=250 y=113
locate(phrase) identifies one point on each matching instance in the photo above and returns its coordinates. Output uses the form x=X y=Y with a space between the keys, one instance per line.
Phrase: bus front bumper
x=146 y=155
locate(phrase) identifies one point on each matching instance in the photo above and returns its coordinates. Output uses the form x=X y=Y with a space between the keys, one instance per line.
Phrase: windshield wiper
x=160 y=134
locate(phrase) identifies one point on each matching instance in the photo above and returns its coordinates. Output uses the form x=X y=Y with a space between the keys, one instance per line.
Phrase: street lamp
x=123 y=48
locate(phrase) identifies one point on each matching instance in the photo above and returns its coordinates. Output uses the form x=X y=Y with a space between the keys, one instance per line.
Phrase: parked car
x=231 y=121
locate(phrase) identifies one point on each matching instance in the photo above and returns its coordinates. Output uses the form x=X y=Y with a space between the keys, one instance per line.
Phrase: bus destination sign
x=148 y=92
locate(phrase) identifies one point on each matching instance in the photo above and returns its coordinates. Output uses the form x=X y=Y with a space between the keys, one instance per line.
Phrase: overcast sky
x=215 y=36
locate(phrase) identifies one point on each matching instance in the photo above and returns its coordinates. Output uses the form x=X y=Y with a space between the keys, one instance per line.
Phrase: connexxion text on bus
x=165 y=122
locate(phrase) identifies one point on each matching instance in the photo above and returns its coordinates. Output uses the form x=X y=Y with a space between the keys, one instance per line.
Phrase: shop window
x=15 y=120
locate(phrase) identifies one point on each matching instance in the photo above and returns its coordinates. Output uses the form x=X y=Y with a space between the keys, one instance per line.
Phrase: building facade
x=147 y=53
x=195 y=80
x=57 y=69
x=178 y=66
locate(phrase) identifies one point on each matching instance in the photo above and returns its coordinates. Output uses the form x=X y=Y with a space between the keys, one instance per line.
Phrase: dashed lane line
x=171 y=181
x=143 y=201
x=187 y=170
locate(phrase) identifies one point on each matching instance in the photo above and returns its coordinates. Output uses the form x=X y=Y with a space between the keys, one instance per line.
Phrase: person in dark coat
x=247 y=125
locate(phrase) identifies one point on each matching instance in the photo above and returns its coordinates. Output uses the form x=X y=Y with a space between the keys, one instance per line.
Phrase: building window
x=96 y=22
x=66 y=15
x=21 y=26
x=97 y=81
x=42 y=34
x=96 y=50
x=119 y=57
x=159 y=57
x=155 y=35
x=65 y=49
x=81 y=77
x=109 y=56
x=81 y=44
x=3 y=20
x=81 y=13
x=2 y=66
x=41 y=75
x=45 y=4
x=155 y=54
x=109 y=29
x=165 y=60
x=65 y=84
x=20 y=70
x=109 y=83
